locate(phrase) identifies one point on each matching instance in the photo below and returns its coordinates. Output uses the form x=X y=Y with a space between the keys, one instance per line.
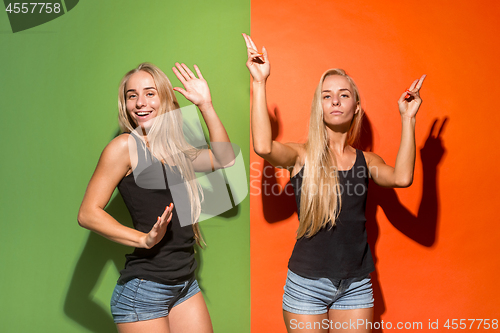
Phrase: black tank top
x=171 y=260
x=340 y=252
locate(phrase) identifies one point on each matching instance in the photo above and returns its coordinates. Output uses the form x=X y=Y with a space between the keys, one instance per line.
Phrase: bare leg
x=157 y=325
x=190 y=316
x=350 y=321
x=300 y=323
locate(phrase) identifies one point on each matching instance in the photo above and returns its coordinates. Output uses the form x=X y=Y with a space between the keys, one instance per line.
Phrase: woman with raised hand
x=157 y=290
x=328 y=283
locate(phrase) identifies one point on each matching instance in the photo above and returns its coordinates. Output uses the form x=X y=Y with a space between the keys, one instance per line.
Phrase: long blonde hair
x=166 y=139
x=320 y=200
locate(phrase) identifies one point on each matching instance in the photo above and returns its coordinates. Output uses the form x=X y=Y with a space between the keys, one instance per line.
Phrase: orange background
x=434 y=243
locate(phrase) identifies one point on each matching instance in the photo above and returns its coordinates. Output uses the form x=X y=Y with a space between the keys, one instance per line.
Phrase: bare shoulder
x=113 y=165
x=117 y=151
x=122 y=138
x=372 y=158
x=375 y=164
x=120 y=143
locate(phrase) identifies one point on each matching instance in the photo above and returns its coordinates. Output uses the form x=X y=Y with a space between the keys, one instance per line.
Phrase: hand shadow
x=97 y=252
x=79 y=305
x=279 y=205
x=422 y=227
x=278 y=202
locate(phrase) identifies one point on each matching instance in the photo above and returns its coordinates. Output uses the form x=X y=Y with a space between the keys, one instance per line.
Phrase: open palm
x=195 y=88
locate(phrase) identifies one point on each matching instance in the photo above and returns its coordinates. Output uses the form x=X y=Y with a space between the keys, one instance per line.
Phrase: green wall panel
x=59 y=85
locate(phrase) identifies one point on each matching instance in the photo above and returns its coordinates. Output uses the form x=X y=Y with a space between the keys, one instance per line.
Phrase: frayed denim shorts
x=140 y=299
x=316 y=296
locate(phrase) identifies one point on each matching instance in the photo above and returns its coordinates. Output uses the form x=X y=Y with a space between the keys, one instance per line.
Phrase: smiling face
x=338 y=100
x=142 y=99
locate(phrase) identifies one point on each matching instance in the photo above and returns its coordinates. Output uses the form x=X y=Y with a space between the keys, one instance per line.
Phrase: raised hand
x=257 y=63
x=159 y=228
x=195 y=88
x=410 y=100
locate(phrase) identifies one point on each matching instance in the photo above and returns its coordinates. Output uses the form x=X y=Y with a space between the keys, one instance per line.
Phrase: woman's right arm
x=276 y=153
x=113 y=165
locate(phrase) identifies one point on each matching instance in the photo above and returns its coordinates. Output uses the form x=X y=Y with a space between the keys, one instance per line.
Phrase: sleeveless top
x=340 y=252
x=171 y=260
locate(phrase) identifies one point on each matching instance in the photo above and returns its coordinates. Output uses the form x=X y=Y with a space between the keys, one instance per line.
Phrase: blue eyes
x=150 y=94
x=343 y=96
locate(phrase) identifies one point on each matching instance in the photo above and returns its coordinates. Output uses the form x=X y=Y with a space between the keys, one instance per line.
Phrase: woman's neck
x=337 y=141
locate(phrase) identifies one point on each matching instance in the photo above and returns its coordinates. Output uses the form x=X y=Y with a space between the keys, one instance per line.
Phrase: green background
x=59 y=86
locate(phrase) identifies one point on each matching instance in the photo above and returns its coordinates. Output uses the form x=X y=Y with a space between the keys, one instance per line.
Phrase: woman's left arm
x=402 y=174
x=220 y=154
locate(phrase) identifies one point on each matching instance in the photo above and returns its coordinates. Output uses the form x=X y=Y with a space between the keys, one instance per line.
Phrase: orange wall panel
x=435 y=242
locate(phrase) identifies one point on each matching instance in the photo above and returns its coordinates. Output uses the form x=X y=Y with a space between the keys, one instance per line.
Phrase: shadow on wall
x=421 y=228
x=284 y=198
x=98 y=251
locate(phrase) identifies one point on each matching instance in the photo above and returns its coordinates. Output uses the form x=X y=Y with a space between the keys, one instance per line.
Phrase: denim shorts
x=140 y=299
x=316 y=296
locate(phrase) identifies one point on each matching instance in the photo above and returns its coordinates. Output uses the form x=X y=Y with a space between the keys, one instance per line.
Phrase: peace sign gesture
x=257 y=63
x=410 y=100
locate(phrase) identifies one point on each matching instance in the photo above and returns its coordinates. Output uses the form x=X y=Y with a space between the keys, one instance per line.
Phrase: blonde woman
x=328 y=284
x=156 y=291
